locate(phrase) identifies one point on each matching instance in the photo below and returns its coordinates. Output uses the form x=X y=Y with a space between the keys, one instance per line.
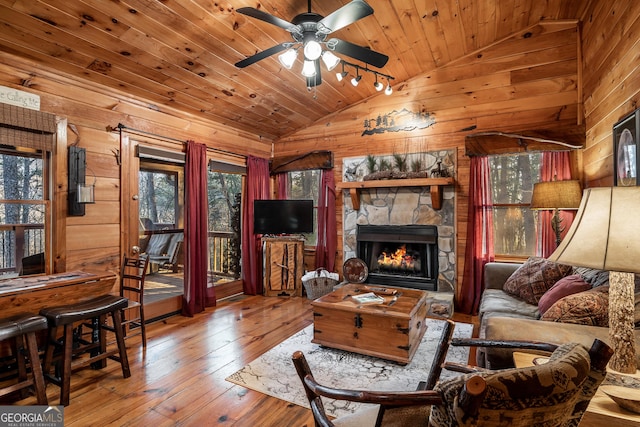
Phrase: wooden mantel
x=435 y=185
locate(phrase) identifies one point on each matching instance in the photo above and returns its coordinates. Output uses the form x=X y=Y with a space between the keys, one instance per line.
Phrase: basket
x=318 y=286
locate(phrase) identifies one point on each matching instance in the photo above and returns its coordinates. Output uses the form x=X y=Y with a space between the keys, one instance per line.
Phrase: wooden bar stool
x=95 y=310
x=20 y=328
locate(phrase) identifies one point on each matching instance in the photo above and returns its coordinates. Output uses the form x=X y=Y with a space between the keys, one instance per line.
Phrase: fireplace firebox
x=400 y=255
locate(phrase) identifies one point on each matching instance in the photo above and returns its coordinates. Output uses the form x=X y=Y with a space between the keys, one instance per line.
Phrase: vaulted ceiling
x=179 y=55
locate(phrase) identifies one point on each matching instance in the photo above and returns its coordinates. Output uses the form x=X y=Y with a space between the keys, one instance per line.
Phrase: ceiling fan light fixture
x=330 y=60
x=312 y=50
x=288 y=57
x=309 y=69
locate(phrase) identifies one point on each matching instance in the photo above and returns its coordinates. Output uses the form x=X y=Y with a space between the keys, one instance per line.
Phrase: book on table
x=368 y=298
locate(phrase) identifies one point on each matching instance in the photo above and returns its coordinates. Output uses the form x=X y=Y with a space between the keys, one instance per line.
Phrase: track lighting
x=356 y=80
x=288 y=57
x=378 y=85
x=342 y=75
x=388 y=90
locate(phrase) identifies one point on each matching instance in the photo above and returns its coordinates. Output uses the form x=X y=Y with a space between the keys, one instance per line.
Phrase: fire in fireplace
x=404 y=255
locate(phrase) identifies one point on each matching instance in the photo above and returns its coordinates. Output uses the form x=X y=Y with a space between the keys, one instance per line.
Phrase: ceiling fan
x=310 y=31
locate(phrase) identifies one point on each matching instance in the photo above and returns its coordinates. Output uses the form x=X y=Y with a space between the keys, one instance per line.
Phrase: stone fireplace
x=402 y=210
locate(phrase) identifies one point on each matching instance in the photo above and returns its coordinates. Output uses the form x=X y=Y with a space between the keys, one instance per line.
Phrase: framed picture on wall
x=625 y=150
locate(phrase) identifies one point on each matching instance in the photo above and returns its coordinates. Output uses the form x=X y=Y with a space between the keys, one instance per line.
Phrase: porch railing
x=18 y=241
x=220 y=253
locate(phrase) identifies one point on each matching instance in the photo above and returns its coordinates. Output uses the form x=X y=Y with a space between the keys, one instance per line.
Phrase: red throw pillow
x=535 y=277
x=566 y=286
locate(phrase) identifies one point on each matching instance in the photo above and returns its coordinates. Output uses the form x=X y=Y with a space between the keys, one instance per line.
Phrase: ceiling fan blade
x=261 y=55
x=266 y=17
x=346 y=15
x=317 y=79
x=360 y=53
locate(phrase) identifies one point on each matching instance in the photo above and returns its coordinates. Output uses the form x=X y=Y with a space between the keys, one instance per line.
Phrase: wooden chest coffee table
x=390 y=330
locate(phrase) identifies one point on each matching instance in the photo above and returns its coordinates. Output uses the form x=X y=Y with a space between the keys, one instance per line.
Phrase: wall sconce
x=80 y=194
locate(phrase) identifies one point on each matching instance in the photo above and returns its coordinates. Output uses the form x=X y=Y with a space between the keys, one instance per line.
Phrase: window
x=306 y=185
x=514 y=223
x=224 y=193
x=23 y=212
x=158 y=199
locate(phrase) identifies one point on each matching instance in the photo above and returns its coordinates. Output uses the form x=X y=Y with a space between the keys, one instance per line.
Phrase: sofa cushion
x=568 y=285
x=500 y=302
x=584 y=308
x=535 y=277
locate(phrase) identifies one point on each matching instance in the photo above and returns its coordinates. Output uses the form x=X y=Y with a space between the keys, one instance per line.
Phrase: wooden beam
x=496 y=142
x=297 y=162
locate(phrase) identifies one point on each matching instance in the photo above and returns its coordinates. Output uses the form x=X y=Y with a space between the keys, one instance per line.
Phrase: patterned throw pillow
x=535 y=277
x=568 y=285
x=584 y=308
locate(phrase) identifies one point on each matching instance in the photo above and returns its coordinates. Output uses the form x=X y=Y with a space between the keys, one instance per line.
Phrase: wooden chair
x=553 y=394
x=132 y=277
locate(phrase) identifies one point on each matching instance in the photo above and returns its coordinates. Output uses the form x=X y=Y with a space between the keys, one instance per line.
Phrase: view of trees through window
x=22 y=208
x=514 y=223
x=158 y=198
x=224 y=193
x=306 y=185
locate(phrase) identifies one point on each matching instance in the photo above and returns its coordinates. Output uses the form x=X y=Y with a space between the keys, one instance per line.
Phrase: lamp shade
x=564 y=195
x=605 y=233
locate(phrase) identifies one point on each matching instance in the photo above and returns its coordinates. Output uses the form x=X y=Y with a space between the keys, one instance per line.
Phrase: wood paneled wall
x=611 y=45
x=526 y=81
x=93 y=240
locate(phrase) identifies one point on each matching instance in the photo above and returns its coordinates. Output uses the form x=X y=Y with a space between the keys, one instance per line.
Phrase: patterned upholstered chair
x=553 y=394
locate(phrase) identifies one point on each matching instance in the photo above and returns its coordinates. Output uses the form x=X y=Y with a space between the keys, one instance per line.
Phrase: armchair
x=553 y=394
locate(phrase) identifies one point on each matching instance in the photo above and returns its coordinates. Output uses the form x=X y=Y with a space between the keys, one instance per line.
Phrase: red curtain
x=479 y=250
x=257 y=189
x=327 y=232
x=555 y=165
x=282 y=180
x=198 y=294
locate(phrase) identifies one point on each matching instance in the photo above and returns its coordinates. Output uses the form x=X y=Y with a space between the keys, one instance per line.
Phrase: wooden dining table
x=31 y=293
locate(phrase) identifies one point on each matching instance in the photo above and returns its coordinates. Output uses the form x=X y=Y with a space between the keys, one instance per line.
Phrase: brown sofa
x=505 y=317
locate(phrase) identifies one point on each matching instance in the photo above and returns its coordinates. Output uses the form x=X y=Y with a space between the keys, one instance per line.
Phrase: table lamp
x=605 y=235
x=556 y=196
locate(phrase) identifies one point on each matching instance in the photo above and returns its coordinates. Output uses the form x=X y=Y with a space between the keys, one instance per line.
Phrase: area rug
x=273 y=373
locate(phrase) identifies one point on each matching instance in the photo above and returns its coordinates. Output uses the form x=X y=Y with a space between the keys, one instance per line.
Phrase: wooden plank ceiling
x=180 y=54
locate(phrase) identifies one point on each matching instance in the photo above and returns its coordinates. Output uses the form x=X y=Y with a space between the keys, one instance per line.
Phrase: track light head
x=356 y=80
x=388 y=90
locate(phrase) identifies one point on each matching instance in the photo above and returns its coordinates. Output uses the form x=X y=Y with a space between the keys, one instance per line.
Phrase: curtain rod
x=120 y=127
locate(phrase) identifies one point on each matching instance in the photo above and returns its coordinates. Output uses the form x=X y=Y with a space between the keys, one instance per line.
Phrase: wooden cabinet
x=283 y=265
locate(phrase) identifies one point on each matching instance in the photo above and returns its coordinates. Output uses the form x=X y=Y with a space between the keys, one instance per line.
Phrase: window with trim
x=225 y=200
x=23 y=211
x=158 y=190
x=514 y=223
x=306 y=185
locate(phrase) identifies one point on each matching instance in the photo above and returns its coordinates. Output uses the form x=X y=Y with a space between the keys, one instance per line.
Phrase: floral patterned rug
x=273 y=373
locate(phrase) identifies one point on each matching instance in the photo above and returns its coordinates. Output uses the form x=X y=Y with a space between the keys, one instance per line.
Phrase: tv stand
x=283 y=265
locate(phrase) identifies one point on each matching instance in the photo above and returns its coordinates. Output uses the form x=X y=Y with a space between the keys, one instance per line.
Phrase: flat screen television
x=282 y=216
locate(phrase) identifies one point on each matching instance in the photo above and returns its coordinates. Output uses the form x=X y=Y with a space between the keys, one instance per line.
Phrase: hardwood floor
x=180 y=379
